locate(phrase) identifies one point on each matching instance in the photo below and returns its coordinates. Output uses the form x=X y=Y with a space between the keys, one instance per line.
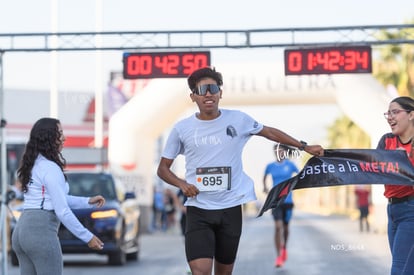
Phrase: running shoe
x=283 y=254
x=279 y=261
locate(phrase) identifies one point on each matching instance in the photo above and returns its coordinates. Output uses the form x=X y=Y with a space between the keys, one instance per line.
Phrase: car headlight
x=104 y=214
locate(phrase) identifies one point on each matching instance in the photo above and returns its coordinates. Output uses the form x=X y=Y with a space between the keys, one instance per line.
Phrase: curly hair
x=202 y=73
x=45 y=140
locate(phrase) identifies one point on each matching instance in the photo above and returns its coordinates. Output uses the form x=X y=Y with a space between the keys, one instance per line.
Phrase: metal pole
x=3 y=222
x=54 y=61
x=98 y=118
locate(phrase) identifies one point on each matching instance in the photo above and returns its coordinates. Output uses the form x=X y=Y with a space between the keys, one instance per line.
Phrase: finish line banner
x=346 y=167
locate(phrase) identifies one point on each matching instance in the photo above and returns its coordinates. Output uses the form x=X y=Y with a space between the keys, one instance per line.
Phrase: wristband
x=302 y=147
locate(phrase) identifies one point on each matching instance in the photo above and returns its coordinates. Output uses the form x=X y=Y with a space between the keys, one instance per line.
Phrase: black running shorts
x=213 y=233
x=283 y=212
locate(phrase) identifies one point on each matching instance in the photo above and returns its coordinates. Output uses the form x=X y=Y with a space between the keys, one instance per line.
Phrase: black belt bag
x=400 y=200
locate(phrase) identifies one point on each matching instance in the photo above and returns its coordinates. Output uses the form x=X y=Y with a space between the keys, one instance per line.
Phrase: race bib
x=213 y=178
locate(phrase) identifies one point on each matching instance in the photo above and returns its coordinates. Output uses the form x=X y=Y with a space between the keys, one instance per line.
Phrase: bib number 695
x=214 y=180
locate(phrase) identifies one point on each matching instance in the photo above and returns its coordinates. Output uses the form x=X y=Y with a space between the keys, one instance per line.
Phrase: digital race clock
x=163 y=64
x=328 y=60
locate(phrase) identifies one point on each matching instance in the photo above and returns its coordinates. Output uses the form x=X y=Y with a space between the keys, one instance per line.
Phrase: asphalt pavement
x=317 y=245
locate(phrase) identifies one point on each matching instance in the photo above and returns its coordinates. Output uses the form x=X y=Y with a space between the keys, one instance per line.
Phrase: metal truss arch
x=205 y=39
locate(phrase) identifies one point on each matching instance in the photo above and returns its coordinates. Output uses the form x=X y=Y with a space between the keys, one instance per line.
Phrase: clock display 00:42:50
x=328 y=60
x=163 y=64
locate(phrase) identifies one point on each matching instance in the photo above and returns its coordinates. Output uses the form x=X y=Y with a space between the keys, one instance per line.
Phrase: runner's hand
x=190 y=190
x=315 y=150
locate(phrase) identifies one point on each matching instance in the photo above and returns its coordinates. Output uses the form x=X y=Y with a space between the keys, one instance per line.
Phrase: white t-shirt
x=48 y=190
x=215 y=145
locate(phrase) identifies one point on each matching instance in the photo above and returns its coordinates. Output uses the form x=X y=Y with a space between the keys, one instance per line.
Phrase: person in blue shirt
x=281 y=170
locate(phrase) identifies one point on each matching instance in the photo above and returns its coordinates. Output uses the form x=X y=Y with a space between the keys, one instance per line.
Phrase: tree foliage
x=395 y=65
x=344 y=133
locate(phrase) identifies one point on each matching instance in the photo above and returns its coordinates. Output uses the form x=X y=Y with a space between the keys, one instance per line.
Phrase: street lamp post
x=3 y=216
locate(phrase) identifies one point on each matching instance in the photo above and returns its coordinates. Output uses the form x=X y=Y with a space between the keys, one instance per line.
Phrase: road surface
x=318 y=245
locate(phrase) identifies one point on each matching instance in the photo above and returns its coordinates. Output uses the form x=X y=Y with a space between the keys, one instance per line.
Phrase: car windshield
x=88 y=185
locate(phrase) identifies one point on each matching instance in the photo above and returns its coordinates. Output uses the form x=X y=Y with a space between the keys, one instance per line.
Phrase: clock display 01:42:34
x=328 y=60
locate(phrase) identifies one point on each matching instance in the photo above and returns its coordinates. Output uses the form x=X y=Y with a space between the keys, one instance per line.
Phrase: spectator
x=47 y=203
x=158 y=211
x=400 y=209
x=362 y=193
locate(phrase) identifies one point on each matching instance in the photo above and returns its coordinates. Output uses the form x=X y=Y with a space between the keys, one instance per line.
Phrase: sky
x=76 y=70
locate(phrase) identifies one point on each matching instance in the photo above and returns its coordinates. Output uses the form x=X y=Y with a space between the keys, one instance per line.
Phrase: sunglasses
x=202 y=89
